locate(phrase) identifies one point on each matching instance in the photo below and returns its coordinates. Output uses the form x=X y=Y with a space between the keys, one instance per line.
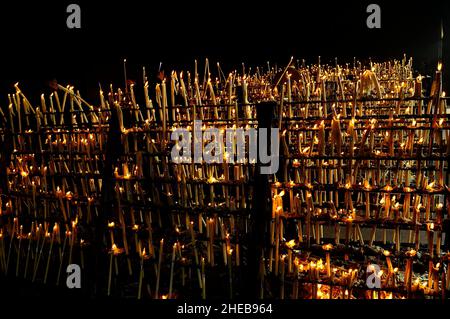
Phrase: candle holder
x=362 y=149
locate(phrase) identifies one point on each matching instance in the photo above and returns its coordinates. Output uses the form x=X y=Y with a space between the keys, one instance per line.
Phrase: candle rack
x=358 y=209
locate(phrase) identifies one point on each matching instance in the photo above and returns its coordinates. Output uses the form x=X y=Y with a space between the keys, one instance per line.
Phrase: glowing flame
x=290 y=244
x=411 y=253
x=69 y=195
x=212 y=180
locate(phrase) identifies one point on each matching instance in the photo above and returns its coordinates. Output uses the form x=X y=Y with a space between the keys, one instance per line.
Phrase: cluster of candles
x=362 y=150
x=372 y=163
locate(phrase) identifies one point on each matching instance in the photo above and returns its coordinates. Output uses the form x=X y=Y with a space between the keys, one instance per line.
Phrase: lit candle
x=16 y=100
x=321 y=146
x=164 y=109
x=211 y=241
x=408 y=270
x=198 y=99
x=191 y=228
x=387 y=201
x=184 y=93
x=172 y=266
x=230 y=89
x=54 y=232
x=230 y=271
x=172 y=93
x=203 y=279
x=111 y=259
x=44 y=108
x=430 y=233
x=18 y=250
x=290 y=245
x=289 y=93
x=336 y=133
x=282 y=276
x=291 y=197
x=141 y=273
x=387 y=254
x=213 y=98
x=328 y=248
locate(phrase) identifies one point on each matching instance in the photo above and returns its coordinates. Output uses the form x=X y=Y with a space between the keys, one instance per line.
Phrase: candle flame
x=411 y=253
x=212 y=180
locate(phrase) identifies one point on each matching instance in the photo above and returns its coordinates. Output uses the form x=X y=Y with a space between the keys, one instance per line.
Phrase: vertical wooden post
x=261 y=208
x=99 y=247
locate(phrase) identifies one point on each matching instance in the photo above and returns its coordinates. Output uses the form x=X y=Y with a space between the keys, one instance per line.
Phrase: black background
x=36 y=46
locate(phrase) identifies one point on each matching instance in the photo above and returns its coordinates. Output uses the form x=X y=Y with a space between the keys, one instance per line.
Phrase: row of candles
x=374 y=166
x=358 y=161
